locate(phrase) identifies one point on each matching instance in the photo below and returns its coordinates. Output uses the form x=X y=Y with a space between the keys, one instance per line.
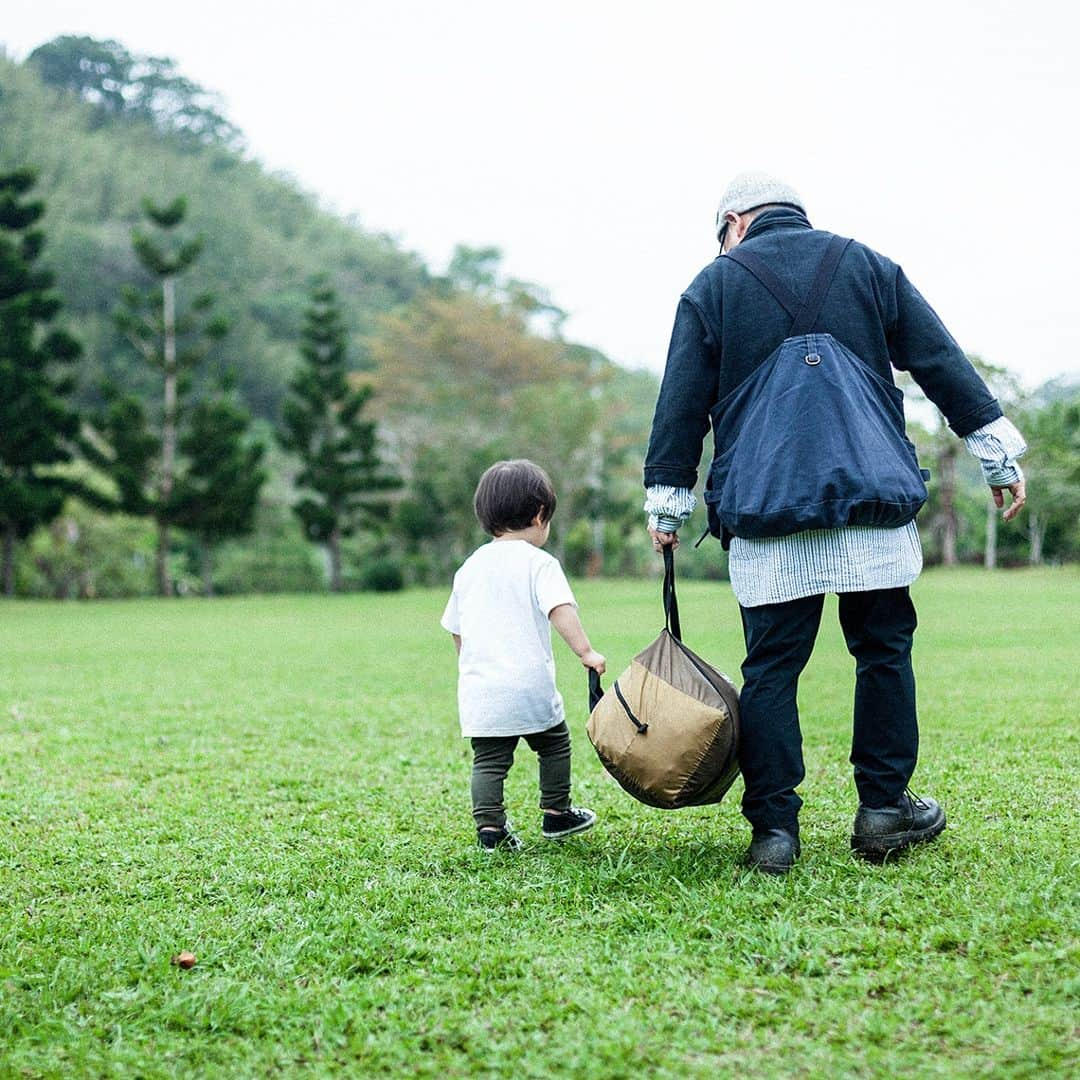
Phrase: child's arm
x=565 y=619
x=457 y=642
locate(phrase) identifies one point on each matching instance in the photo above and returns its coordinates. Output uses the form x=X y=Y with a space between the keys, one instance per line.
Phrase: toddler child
x=505 y=599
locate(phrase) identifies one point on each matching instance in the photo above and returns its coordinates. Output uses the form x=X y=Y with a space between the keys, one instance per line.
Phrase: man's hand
x=660 y=540
x=1019 y=497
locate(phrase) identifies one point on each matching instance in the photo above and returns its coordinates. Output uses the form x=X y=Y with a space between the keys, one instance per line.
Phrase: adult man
x=729 y=322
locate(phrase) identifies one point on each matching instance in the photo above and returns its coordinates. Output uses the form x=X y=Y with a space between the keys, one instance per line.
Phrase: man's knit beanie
x=751 y=189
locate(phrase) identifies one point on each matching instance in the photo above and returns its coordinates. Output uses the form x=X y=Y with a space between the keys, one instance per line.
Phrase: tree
x=464 y=377
x=173 y=343
x=456 y=365
x=98 y=71
x=38 y=429
x=341 y=470
x=265 y=237
x=435 y=520
x=946 y=518
x=1006 y=388
x=123 y=447
x=477 y=271
x=119 y=83
x=217 y=496
x=1053 y=473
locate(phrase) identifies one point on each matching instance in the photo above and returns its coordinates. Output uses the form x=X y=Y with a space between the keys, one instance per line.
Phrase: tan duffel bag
x=668 y=729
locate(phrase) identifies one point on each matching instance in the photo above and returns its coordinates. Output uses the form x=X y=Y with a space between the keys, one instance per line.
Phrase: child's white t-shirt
x=499 y=606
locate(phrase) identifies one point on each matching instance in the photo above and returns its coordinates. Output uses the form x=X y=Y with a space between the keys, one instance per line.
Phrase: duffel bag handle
x=671 y=621
x=596 y=691
x=671 y=601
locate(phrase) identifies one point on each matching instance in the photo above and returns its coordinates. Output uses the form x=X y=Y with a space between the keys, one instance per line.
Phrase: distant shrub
x=86 y=554
x=269 y=564
x=419 y=570
x=577 y=547
x=382 y=575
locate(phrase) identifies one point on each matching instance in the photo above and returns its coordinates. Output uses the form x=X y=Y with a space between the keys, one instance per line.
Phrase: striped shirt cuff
x=668 y=507
x=996 y=446
x=1003 y=477
x=665 y=523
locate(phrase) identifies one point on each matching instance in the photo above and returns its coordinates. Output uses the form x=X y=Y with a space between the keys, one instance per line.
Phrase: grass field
x=278 y=785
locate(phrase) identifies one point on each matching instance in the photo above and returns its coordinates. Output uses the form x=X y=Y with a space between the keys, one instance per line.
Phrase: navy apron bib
x=814 y=439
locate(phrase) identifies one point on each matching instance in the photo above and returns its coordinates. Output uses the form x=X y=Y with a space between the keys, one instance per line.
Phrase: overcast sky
x=591 y=140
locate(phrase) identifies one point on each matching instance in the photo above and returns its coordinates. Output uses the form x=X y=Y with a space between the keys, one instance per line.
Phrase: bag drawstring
x=642 y=728
x=596 y=692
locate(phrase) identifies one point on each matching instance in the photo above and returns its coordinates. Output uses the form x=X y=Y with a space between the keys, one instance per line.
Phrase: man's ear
x=731 y=222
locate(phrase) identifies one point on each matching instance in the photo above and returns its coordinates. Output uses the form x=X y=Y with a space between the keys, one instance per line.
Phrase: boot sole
x=776 y=869
x=877 y=848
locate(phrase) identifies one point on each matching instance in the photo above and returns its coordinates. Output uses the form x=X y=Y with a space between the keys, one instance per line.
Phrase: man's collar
x=783 y=217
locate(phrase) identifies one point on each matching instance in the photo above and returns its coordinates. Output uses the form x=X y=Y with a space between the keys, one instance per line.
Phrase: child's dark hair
x=510 y=494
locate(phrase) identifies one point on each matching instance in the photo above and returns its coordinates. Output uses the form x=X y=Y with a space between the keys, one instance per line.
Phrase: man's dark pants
x=878 y=627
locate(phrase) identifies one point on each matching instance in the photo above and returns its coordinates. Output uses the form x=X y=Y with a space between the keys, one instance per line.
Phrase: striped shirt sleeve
x=996 y=446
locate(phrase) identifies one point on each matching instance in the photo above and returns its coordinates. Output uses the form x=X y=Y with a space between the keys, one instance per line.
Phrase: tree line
x=221 y=422
x=184 y=464
x=266 y=239
x=460 y=378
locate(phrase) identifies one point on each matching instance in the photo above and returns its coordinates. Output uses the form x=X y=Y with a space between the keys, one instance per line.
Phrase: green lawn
x=278 y=785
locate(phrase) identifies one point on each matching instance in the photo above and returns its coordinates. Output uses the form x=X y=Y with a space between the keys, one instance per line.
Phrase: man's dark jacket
x=727 y=324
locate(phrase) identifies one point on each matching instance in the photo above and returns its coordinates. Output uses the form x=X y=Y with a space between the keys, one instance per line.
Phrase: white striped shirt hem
x=858 y=558
x=777 y=569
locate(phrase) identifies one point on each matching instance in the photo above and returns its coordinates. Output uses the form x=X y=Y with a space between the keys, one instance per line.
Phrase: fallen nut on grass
x=184 y=959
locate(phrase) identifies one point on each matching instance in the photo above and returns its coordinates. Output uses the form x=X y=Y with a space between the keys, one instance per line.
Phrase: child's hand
x=592 y=659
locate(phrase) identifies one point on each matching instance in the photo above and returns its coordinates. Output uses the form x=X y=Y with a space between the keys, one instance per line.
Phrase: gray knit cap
x=750 y=189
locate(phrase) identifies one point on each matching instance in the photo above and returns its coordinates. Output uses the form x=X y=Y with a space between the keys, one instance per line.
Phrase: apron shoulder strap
x=804 y=313
x=773 y=285
x=815 y=300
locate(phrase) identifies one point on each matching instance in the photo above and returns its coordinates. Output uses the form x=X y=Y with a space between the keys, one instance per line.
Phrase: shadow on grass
x=601 y=869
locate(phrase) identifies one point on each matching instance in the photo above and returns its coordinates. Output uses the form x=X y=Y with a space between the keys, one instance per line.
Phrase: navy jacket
x=727 y=324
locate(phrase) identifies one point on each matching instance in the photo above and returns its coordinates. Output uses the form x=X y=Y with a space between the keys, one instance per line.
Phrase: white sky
x=591 y=140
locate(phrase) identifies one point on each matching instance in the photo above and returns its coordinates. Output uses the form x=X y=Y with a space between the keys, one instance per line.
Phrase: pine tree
x=38 y=429
x=173 y=342
x=341 y=469
x=218 y=495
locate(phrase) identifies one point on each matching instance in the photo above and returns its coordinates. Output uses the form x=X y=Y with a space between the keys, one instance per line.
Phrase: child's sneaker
x=492 y=839
x=576 y=819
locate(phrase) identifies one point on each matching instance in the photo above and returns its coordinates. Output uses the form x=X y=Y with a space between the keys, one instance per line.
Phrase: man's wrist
x=1002 y=475
x=668 y=507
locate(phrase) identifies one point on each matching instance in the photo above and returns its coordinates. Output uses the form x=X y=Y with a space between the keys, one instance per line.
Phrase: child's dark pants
x=492 y=758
